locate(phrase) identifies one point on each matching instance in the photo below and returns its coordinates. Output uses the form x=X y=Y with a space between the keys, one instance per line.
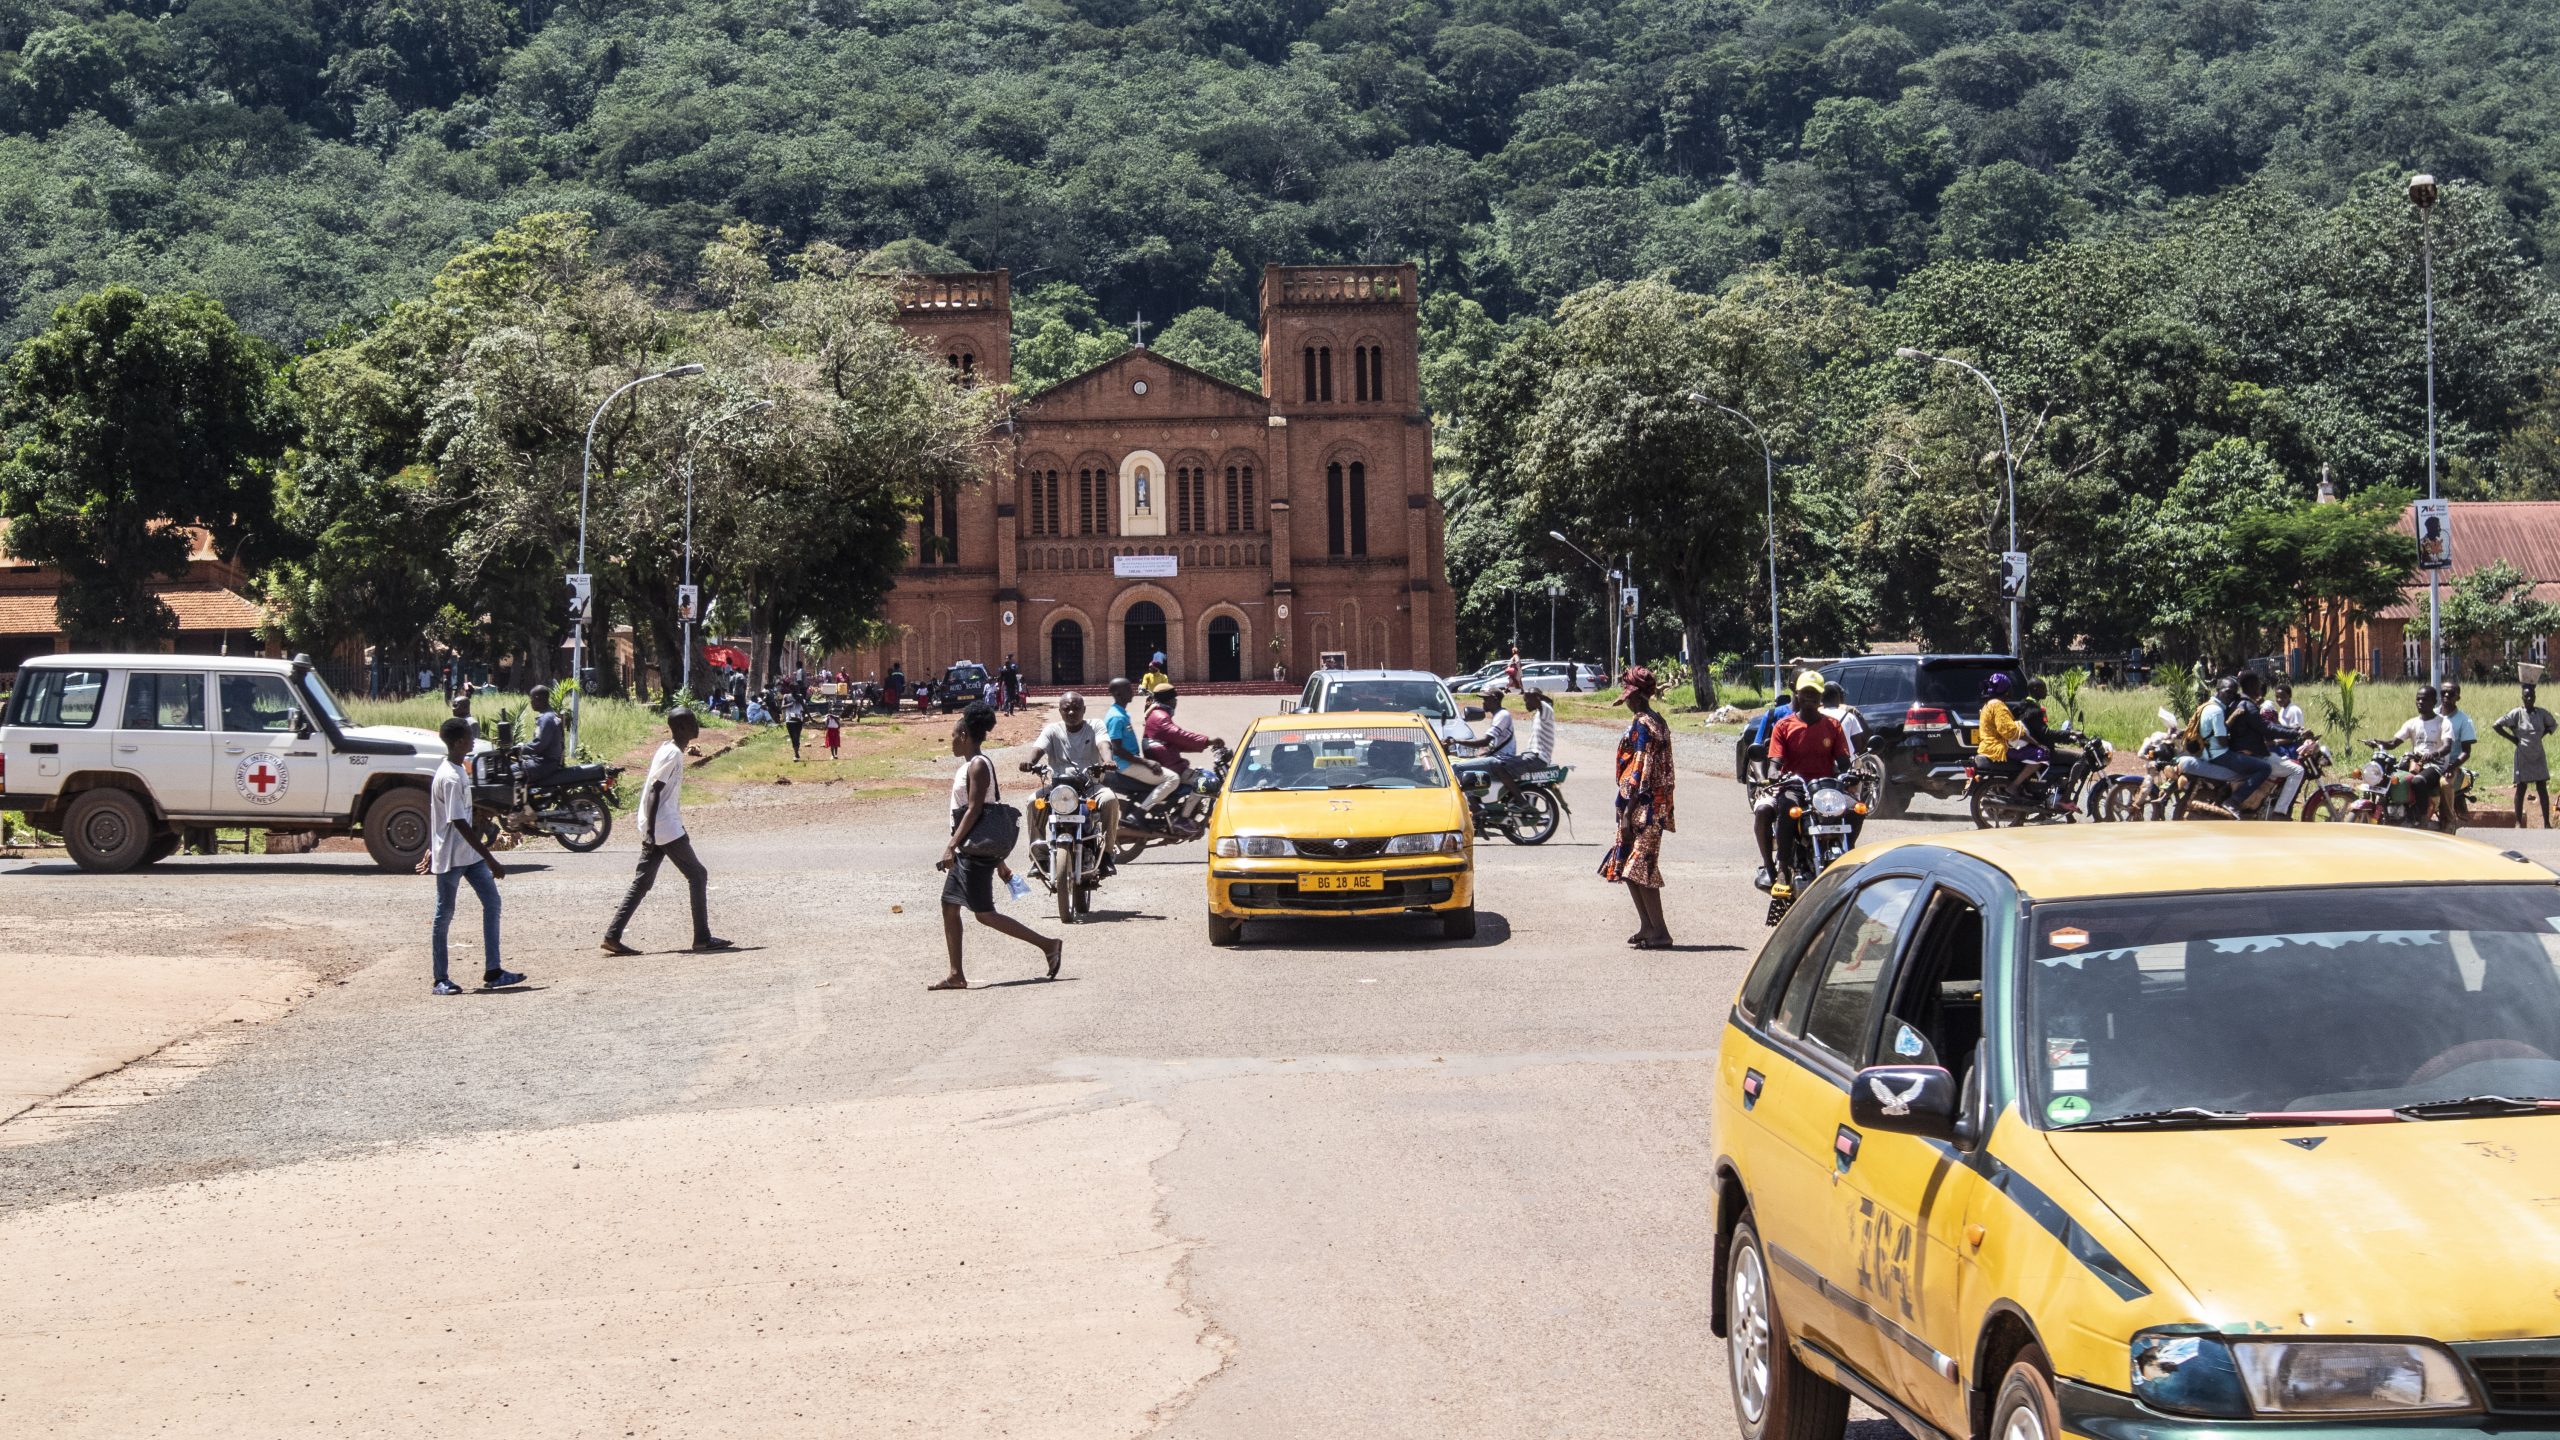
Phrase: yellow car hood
x=1322 y=814
x=2439 y=1228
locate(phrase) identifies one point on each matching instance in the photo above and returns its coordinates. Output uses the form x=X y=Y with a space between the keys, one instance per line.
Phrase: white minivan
x=122 y=754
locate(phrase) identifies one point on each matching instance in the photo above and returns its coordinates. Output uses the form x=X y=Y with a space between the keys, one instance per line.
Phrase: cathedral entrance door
x=1066 y=653
x=1141 y=635
x=1226 y=650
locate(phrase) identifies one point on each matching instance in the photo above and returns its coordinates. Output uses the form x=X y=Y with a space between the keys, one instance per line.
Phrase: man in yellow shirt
x=1155 y=676
x=1999 y=729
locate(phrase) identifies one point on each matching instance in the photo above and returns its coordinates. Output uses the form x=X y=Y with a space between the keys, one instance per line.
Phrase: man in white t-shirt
x=663 y=837
x=1068 y=743
x=1540 y=748
x=2429 y=737
x=1835 y=703
x=1493 y=753
x=455 y=854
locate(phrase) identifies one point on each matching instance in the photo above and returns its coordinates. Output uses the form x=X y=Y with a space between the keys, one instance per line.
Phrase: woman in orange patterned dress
x=1644 y=807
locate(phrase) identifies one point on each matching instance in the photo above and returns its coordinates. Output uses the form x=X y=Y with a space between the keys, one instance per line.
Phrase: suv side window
x=256 y=705
x=1838 y=1004
x=58 y=699
x=161 y=700
x=1895 y=682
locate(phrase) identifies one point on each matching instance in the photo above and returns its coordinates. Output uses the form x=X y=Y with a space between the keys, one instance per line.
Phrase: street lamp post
x=2422 y=193
x=686 y=684
x=1554 y=591
x=1769 y=503
x=2009 y=463
x=586 y=466
x=1608 y=577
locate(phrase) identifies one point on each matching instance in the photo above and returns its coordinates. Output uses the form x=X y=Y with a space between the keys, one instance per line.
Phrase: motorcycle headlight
x=1064 y=799
x=2196 y=1374
x=1832 y=804
x=1436 y=842
x=1258 y=846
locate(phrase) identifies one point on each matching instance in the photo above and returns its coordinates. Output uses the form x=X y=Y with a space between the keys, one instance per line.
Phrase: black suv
x=963 y=684
x=1919 y=712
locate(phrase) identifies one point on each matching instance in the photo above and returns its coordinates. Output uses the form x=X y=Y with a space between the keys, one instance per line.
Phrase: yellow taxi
x=2148 y=1131
x=1346 y=816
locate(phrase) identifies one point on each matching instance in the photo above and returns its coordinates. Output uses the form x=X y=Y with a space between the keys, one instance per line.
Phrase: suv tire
x=2026 y=1408
x=108 y=831
x=1892 y=801
x=395 y=828
x=1775 y=1395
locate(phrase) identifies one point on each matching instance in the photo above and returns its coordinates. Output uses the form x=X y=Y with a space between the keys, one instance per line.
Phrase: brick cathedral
x=1146 y=506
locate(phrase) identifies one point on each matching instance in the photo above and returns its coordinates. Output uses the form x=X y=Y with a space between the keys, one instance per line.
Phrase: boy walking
x=835 y=736
x=662 y=837
x=454 y=854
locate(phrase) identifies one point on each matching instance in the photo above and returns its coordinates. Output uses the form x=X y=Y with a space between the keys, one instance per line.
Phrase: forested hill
x=308 y=163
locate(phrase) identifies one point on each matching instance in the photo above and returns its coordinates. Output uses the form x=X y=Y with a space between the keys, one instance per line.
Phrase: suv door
x=54 y=730
x=163 y=736
x=265 y=758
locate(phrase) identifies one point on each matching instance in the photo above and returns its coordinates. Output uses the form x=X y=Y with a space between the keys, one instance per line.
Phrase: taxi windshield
x=1379 y=757
x=1427 y=698
x=2226 y=1006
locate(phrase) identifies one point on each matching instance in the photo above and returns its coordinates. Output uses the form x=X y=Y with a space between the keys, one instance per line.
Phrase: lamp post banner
x=2434 y=520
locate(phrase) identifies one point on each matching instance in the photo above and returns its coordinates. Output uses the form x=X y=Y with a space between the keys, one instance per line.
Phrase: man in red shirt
x=1807 y=744
x=1167 y=742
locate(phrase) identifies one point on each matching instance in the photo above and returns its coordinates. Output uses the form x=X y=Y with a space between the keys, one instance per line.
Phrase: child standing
x=835 y=736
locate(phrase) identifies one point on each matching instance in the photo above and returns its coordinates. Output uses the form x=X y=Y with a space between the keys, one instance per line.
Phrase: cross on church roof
x=1139 y=328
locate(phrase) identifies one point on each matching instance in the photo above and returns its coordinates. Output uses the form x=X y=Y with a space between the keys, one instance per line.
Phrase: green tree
x=129 y=416
x=1216 y=342
x=2491 y=615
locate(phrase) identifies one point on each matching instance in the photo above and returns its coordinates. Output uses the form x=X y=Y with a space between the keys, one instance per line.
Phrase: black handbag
x=999 y=826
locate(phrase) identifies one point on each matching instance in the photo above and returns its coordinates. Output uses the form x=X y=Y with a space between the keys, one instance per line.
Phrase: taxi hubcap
x=2024 y=1424
x=1749 y=1342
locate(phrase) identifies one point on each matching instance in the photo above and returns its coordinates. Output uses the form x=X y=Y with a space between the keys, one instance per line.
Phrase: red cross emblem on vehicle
x=262 y=777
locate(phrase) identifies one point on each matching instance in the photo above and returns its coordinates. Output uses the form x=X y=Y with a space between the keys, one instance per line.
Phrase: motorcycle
x=1531 y=806
x=1994 y=802
x=1817 y=826
x=1181 y=819
x=574 y=806
x=1066 y=841
x=2387 y=789
x=2210 y=792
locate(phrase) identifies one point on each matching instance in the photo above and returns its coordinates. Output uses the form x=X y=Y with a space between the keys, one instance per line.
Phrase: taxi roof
x=1341 y=720
x=2170 y=857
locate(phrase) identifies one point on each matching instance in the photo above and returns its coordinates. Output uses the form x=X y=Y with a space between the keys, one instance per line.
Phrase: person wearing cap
x=1494 y=754
x=1806 y=744
x=663 y=837
x=1157 y=677
x=1643 y=807
x=1168 y=742
x=1835 y=703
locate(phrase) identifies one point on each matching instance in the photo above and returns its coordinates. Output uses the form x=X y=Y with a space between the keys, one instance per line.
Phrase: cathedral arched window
x=1240 y=498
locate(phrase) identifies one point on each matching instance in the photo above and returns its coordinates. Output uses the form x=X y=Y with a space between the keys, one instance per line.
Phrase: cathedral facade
x=1144 y=506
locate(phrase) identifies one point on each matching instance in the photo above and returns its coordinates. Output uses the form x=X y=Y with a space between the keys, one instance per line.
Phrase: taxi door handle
x=1844 y=1150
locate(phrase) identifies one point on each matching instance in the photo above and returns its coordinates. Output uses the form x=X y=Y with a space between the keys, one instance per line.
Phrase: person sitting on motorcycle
x=2213 y=730
x=2045 y=741
x=1807 y=745
x=547 y=754
x=2253 y=734
x=1136 y=777
x=1539 y=750
x=1067 y=743
x=2431 y=743
x=1168 y=742
x=1494 y=754
x=1835 y=703
x=1999 y=737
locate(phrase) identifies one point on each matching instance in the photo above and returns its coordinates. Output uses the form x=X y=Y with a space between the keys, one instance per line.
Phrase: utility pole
x=2009 y=461
x=2422 y=193
x=586 y=467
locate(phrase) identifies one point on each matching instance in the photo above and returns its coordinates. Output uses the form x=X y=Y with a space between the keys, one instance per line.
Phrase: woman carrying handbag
x=983 y=832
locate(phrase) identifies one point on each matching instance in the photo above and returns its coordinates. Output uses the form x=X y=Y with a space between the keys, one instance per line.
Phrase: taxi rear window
x=51 y=699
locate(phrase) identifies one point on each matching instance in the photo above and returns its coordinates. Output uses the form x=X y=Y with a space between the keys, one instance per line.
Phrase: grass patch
x=609 y=729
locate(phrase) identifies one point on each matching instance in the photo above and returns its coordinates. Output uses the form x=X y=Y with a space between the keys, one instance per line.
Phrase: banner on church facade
x=1142 y=567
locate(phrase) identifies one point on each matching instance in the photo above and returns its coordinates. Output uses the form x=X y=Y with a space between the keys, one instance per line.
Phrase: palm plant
x=2338 y=716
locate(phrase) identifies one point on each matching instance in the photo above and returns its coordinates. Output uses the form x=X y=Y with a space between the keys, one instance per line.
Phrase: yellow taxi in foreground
x=2145 y=1131
x=1345 y=815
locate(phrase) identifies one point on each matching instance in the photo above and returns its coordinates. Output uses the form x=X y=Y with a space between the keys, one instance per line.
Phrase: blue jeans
x=2253 y=770
x=484 y=885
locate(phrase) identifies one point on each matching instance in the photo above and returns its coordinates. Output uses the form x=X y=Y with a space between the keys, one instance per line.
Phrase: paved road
x=1341 y=1177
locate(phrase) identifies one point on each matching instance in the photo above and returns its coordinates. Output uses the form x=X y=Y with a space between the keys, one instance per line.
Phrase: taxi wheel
x=2027 y=1409
x=1775 y=1395
x=1458 y=924
x=1223 y=931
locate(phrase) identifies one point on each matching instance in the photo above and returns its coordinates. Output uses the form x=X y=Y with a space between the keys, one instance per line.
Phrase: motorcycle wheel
x=2116 y=798
x=1063 y=881
x=1871 y=781
x=1531 y=817
x=1985 y=810
x=594 y=825
x=1129 y=850
x=2328 y=802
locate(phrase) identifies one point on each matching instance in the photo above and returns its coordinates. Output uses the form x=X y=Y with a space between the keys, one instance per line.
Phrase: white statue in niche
x=1145 y=492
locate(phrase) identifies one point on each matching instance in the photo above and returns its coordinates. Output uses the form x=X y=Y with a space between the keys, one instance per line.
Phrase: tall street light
x=2422 y=193
x=1769 y=464
x=1610 y=577
x=2009 y=462
x=737 y=413
x=586 y=467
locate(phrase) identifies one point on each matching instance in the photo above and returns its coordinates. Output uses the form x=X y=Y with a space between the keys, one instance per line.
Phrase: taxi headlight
x=1255 y=846
x=1436 y=842
x=2195 y=1374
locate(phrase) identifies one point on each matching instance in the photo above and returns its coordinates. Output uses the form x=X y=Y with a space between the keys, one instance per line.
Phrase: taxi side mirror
x=1904 y=1100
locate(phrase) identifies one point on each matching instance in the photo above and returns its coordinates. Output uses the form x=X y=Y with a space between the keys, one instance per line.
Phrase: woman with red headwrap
x=1644 y=807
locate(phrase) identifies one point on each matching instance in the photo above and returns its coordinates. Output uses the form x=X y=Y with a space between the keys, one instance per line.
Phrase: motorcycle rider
x=1137 y=777
x=2214 y=729
x=1998 y=732
x=547 y=754
x=1067 y=743
x=2253 y=734
x=1835 y=703
x=2060 y=763
x=1494 y=754
x=1806 y=744
x=1168 y=742
x=2430 y=741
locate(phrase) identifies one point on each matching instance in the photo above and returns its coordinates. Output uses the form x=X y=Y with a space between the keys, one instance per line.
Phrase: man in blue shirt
x=1135 y=775
x=2213 y=727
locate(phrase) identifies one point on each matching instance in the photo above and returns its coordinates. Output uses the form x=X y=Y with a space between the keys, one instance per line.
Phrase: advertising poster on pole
x=2435 y=534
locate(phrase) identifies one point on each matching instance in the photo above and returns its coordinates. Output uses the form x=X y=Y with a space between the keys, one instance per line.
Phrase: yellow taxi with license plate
x=1340 y=816
x=2148 y=1131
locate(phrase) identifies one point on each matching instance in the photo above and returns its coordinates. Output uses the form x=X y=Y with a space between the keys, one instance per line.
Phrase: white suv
x=121 y=754
x=1417 y=691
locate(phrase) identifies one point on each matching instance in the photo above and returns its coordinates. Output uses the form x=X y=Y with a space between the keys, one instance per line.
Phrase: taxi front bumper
x=2090 y=1413
x=1252 y=889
